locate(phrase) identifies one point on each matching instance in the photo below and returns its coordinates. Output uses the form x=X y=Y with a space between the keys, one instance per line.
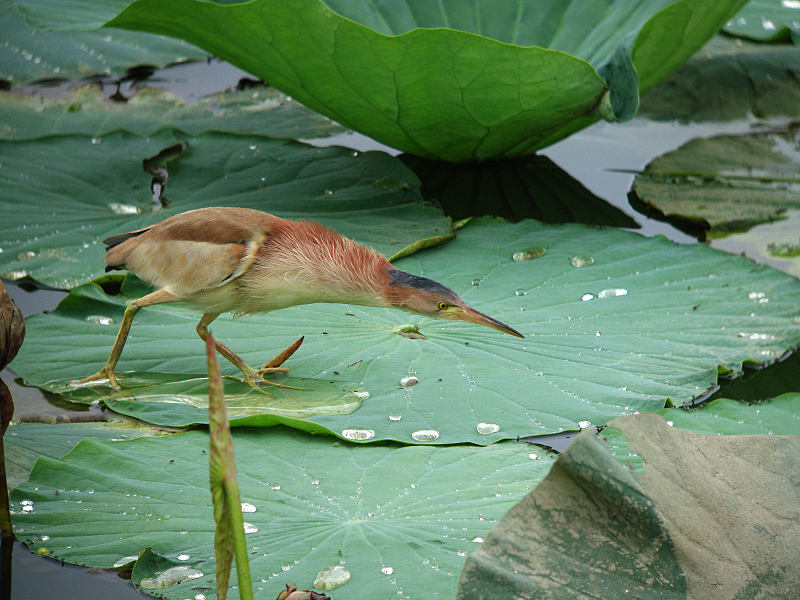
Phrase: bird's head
x=427 y=297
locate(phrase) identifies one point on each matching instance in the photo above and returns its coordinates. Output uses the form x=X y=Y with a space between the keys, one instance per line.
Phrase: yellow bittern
x=238 y=259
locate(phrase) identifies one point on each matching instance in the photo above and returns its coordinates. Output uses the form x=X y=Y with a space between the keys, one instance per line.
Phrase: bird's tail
x=116 y=250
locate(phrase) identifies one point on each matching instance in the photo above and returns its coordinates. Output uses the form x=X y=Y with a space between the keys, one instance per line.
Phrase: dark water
x=596 y=164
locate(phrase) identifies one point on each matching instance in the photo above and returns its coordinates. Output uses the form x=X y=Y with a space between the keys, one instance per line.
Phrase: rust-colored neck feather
x=317 y=264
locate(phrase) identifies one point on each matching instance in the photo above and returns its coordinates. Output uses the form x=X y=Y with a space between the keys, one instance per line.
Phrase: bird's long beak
x=468 y=313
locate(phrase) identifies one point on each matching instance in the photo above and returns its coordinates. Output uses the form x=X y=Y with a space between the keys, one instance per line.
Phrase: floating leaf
x=767 y=21
x=27 y=55
x=25 y=442
x=725 y=183
x=400 y=519
x=729 y=79
x=699 y=517
x=778 y=416
x=96 y=187
x=645 y=321
x=260 y=111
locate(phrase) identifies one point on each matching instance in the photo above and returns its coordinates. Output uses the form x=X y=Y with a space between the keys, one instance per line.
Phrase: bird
x=223 y=259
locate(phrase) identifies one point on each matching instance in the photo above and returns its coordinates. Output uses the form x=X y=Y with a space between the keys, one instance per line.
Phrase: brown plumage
x=224 y=259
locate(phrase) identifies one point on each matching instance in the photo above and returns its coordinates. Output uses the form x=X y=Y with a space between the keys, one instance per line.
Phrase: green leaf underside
x=479 y=97
x=686 y=312
x=26 y=442
x=28 y=55
x=727 y=182
x=369 y=196
x=616 y=531
x=183 y=399
x=317 y=503
x=766 y=21
x=729 y=79
x=260 y=111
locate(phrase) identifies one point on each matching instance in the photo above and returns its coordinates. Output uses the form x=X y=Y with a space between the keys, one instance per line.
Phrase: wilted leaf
x=702 y=517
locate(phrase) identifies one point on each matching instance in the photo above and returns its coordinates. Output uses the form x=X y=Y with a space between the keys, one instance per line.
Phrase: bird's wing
x=195 y=250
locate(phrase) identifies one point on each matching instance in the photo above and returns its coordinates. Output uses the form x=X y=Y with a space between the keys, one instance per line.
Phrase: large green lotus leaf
x=767 y=21
x=25 y=442
x=647 y=321
x=497 y=80
x=183 y=399
x=27 y=55
x=78 y=190
x=530 y=187
x=779 y=416
x=729 y=79
x=400 y=520
x=702 y=517
x=725 y=183
x=260 y=111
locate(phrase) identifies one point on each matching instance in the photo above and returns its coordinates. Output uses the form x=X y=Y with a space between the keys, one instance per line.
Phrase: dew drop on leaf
x=425 y=435
x=332 y=577
x=358 y=434
x=487 y=428
x=581 y=261
x=528 y=254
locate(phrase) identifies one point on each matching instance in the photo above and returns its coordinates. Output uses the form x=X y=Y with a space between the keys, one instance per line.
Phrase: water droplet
x=100 y=320
x=183 y=556
x=487 y=428
x=586 y=297
x=670 y=423
x=584 y=424
x=328 y=192
x=252 y=146
x=170 y=577
x=250 y=528
x=409 y=381
x=27 y=505
x=477 y=539
x=387 y=570
x=755 y=295
x=331 y=578
x=528 y=254
x=26 y=255
x=475 y=282
x=275 y=487
x=520 y=293
x=767 y=24
x=425 y=435
x=314 y=482
x=124 y=209
x=362 y=394
x=358 y=434
x=125 y=560
x=45 y=538
x=612 y=292
x=395 y=417
x=200 y=596
x=248 y=508
x=581 y=261
x=533 y=456
x=96 y=140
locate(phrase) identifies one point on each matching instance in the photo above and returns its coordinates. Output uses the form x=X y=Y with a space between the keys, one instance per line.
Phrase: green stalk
x=229 y=538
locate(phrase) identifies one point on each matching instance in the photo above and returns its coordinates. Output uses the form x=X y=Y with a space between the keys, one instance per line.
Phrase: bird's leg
x=278 y=360
x=107 y=372
x=251 y=375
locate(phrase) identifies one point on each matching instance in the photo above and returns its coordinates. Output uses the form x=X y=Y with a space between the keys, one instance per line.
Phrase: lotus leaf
x=615 y=323
x=95 y=187
x=497 y=80
x=700 y=517
x=27 y=55
x=400 y=520
x=767 y=21
x=260 y=112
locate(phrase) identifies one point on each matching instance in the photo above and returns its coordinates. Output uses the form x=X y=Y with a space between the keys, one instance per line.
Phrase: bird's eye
x=443 y=306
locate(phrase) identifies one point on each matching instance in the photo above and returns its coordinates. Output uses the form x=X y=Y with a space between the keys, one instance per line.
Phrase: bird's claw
x=104 y=373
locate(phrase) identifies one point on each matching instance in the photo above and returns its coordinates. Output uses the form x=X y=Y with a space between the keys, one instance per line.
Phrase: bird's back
x=193 y=251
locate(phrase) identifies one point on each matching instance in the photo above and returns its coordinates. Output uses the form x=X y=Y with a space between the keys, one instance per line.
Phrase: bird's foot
x=104 y=373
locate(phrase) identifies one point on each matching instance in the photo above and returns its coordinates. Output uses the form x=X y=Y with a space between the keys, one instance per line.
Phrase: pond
x=586 y=178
